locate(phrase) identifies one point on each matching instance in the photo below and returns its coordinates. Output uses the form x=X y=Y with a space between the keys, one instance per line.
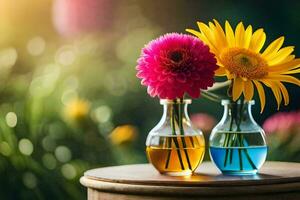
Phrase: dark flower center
x=176 y=56
x=176 y=60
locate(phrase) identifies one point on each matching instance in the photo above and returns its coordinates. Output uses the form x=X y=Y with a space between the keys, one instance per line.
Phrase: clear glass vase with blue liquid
x=237 y=143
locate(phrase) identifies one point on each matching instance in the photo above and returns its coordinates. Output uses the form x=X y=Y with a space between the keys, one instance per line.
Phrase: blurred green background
x=69 y=97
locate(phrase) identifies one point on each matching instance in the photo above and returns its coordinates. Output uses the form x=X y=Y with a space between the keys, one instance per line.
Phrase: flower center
x=244 y=63
x=176 y=60
x=176 y=56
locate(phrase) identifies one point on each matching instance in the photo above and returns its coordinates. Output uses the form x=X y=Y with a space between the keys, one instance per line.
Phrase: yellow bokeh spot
x=77 y=109
x=123 y=134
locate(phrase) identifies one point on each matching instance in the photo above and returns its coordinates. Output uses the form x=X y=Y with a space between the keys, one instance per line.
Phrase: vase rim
x=227 y=102
x=172 y=101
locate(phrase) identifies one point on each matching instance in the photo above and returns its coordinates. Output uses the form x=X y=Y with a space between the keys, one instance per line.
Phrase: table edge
x=112 y=187
x=219 y=183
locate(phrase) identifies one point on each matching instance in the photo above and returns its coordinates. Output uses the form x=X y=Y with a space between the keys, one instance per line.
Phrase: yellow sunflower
x=241 y=60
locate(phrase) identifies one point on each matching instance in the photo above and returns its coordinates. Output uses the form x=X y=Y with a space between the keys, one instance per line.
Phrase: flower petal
x=237 y=89
x=273 y=48
x=257 y=40
x=261 y=94
x=220 y=35
x=287 y=59
x=295 y=71
x=285 y=78
x=281 y=55
x=205 y=30
x=229 y=34
x=248 y=90
x=285 y=66
x=247 y=37
x=275 y=90
x=285 y=93
x=239 y=35
x=220 y=72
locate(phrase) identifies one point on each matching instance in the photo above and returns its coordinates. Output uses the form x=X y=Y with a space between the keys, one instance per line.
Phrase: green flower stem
x=227 y=141
x=239 y=120
x=247 y=154
x=240 y=153
x=227 y=150
x=169 y=145
x=242 y=137
x=232 y=144
x=175 y=142
x=211 y=96
x=237 y=138
x=192 y=142
x=182 y=133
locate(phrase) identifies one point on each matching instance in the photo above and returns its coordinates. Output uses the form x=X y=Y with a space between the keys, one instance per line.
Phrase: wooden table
x=276 y=180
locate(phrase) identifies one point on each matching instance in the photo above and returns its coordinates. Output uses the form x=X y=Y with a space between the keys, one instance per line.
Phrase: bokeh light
x=5 y=149
x=48 y=143
x=8 y=57
x=11 y=119
x=65 y=55
x=63 y=154
x=36 y=46
x=49 y=161
x=29 y=180
x=25 y=146
x=68 y=171
x=102 y=114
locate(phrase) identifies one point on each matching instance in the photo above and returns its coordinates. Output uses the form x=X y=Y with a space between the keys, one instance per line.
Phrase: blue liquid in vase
x=239 y=160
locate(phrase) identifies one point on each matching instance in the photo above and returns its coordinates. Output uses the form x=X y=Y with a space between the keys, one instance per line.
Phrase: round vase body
x=237 y=143
x=174 y=146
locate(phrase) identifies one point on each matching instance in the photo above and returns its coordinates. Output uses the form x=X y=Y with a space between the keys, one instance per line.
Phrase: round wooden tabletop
x=143 y=179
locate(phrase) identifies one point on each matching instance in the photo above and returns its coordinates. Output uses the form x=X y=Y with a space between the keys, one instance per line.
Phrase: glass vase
x=237 y=143
x=174 y=146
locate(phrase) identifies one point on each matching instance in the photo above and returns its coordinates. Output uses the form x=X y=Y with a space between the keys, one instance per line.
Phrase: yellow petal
x=285 y=93
x=205 y=30
x=248 y=90
x=275 y=90
x=295 y=71
x=229 y=34
x=229 y=75
x=257 y=40
x=247 y=37
x=203 y=38
x=285 y=78
x=220 y=72
x=194 y=32
x=285 y=66
x=288 y=59
x=199 y=35
x=273 y=48
x=217 y=38
x=239 y=35
x=281 y=55
x=220 y=33
x=237 y=89
x=261 y=94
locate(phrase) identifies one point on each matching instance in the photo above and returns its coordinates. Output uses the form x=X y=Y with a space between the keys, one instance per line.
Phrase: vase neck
x=177 y=107
x=237 y=112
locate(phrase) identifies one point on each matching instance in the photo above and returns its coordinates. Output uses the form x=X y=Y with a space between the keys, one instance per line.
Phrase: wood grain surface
x=278 y=179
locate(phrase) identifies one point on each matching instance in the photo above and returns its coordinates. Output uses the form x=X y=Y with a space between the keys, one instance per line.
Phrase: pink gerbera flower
x=283 y=122
x=175 y=64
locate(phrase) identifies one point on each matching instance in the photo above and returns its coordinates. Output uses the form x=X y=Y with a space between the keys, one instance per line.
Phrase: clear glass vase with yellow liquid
x=174 y=146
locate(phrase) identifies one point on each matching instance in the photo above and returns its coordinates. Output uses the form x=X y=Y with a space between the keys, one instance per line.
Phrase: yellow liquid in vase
x=178 y=155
